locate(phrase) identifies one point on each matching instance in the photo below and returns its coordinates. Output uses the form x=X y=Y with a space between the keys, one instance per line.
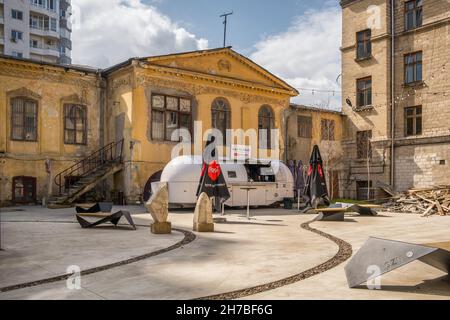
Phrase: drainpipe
x=392 y=95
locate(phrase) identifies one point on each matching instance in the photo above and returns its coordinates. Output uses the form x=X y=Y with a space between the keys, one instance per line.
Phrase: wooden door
x=24 y=190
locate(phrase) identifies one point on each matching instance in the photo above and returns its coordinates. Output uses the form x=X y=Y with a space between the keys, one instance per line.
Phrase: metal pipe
x=392 y=95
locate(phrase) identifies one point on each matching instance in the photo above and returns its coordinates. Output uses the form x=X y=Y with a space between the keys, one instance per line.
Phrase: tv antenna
x=225 y=20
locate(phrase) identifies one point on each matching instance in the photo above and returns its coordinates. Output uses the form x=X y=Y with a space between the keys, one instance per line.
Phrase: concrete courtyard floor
x=39 y=243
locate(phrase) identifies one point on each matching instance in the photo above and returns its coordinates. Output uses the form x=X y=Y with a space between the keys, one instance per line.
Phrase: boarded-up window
x=170 y=113
x=75 y=128
x=24 y=115
x=327 y=129
x=363 y=144
x=266 y=122
x=304 y=127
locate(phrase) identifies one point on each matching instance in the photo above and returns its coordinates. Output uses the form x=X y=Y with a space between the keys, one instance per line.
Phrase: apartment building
x=396 y=94
x=36 y=29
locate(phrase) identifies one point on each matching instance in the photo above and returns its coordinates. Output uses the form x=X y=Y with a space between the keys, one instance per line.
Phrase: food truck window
x=232 y=174
x=258 y=173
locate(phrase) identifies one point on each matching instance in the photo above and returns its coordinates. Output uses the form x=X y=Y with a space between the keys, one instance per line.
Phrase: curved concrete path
x=244 y=254
x=240 y=254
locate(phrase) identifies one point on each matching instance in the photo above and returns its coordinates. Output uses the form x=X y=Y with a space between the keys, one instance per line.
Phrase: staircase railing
x=111 y=153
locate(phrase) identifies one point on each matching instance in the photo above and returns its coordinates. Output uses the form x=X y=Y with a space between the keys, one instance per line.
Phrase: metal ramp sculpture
x=337 y=211
x=388 y=255
x=113 y=218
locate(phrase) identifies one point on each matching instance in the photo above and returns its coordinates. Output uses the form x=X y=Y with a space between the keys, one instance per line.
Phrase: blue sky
x=252 y=21
x=297 y=40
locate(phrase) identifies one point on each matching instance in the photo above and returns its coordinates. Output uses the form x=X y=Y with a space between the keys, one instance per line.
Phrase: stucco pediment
x=222 y=63
x=24 y=92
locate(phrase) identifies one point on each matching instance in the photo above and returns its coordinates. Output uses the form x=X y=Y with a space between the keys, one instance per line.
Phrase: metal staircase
x=87 y=174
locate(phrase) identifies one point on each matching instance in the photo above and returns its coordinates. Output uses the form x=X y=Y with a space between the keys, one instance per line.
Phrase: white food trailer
x=271 y=179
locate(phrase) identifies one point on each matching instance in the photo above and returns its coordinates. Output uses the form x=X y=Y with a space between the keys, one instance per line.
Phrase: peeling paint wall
x=51 y=87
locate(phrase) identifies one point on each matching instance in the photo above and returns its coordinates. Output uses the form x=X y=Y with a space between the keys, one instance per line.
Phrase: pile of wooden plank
x=427 y=202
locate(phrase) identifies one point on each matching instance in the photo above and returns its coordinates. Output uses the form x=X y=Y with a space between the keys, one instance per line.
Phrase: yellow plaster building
x=150 y=97
x=65 y=114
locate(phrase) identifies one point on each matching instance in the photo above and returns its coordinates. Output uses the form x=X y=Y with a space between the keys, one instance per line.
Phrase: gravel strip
x=188 y=238
x=345 y=252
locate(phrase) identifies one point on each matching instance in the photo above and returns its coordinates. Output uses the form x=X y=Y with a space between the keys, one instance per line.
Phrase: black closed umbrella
x=316 y=187
x=212 y=181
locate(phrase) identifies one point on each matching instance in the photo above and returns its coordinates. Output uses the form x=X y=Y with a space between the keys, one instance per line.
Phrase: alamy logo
x=74 y=280
x=374 y=282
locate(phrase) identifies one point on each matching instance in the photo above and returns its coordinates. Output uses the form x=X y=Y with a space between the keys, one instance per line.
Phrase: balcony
x=2 y=20
x=45 y=33
x=66 y=43
x=65 y=23
x=64 y=59
x=45 y=51
x=43 y=11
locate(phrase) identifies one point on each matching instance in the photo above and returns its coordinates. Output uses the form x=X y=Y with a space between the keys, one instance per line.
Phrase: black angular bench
x=102 y=211
x=337 y=211
x=104 y=218
x=98 y=207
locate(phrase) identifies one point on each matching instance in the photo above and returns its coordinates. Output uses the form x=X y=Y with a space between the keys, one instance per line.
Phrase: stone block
x=158 y=205
x=203 y=217
x=161 y=228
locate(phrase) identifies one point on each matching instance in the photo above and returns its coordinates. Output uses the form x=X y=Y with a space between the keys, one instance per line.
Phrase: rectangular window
x=23 y=119
x=304 y=127
x=16 y=35
x=42 y=23
x=17 y=54
x=75 y=128
x=364 y=44
x=327 y=129
x=53 y=24
x=364 y=92
x=363 y=144
x=16 y=14
x=413 y=67
x=413 y=121
x=34 y=43
x=52 y=5
x=413 y=14
x=169 y=114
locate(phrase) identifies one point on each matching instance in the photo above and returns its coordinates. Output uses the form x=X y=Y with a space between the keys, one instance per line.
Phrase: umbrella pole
x=298 y=199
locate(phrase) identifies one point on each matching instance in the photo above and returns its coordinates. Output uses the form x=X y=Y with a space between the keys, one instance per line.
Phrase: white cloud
x=307 y=56
x=108 y=32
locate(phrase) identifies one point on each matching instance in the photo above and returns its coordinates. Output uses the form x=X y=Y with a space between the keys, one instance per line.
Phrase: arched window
x=266 y=122
x=221 y=116
x=24 y=119
x=75 y=128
